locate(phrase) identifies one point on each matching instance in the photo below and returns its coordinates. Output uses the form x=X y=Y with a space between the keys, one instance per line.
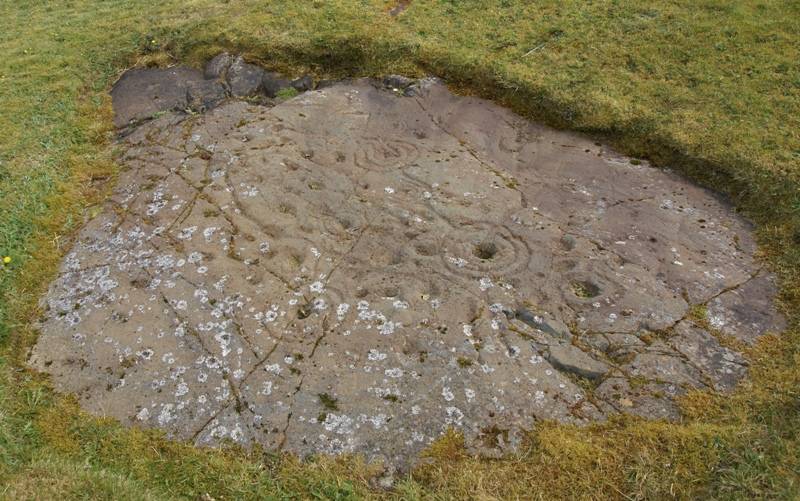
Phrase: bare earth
x=360 y=267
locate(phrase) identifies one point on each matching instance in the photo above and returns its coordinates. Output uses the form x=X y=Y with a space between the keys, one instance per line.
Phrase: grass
x=708 y=87
x=287 y=93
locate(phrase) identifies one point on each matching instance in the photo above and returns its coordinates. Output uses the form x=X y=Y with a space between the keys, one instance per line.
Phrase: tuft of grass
x=286 y=93
x=708 y=88
x=585 y=290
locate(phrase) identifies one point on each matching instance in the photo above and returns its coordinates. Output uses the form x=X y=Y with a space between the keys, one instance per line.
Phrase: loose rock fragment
x=302 y=84
x=244 y=79
x=141 y=93
x=218 y=66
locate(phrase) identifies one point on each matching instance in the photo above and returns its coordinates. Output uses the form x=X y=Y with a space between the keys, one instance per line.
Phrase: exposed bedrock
x=360 y=267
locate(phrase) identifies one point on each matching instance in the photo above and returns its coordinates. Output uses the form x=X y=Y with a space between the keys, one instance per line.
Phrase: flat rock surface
x=354 y=270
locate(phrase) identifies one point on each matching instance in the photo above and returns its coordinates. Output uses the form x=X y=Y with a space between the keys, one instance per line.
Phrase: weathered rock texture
x=353 y=270
x=142 y=93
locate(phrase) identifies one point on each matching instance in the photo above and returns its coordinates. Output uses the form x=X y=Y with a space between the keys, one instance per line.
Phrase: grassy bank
x=709 y=88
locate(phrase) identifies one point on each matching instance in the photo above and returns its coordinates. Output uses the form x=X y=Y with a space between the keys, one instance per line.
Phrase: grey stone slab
x=244 y=79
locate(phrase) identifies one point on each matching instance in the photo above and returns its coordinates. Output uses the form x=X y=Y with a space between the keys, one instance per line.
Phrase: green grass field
x=710 y=88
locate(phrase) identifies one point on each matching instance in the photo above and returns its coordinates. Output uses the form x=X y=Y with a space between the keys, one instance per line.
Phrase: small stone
x=217 y=67
x=244 y=79
x=141 y=93
x=420 y=86
x=386 y=481
x=303 y=83
x=398 y=82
